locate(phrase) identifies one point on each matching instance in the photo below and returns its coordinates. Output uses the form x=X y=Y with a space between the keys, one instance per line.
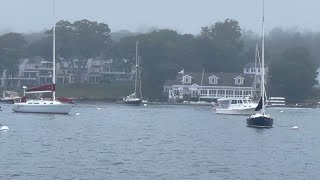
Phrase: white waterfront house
x=212 y=86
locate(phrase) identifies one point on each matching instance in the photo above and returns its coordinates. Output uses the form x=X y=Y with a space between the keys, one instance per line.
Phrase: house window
x=213 y=80
x=187 y=80
x=204 y=92
x=72 y=79
x=229 y=93
x=246 y=93
x=238 y=81
x=221 y=93
x=212 y=93
x=238 y=93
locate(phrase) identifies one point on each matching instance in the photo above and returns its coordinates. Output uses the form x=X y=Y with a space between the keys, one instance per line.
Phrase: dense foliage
x=222 y=47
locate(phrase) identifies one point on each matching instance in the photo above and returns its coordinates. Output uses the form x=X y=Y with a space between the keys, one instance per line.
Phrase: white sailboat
x=53 y=106
x=133 y=99
x=261 y=119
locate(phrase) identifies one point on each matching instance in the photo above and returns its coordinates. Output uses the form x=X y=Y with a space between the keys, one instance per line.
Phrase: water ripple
x=157 y=142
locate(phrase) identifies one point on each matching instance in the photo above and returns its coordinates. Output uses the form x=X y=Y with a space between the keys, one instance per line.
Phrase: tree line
x=292 y=56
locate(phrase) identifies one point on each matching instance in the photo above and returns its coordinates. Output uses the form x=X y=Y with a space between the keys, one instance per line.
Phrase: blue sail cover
x=259 y=107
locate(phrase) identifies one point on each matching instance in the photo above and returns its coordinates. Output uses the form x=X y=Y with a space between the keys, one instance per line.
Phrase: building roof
x=252 y=65
x=248 y=65
x=35 y=60
x=224 y=79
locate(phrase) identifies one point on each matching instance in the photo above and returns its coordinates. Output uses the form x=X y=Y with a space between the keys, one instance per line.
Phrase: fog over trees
x=292 y=56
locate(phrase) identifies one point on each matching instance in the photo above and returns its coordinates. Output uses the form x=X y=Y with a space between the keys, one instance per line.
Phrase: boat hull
x=40 y=108
x=247 y=111
x=7 y=101
x=133 y=102
x=260 y=121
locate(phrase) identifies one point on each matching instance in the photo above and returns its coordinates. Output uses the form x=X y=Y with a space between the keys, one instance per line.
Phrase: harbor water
x=114 y=141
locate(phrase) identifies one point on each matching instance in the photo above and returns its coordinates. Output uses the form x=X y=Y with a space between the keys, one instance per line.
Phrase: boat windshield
x=224 y=104
x=245 y=101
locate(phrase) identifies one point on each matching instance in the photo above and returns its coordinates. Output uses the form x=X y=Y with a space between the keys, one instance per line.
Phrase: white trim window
x=229 y=93
x=221 y=93
x=238 y=80
x=212 y=93
x=213 y=80
x=186 y=79
x=203 y=92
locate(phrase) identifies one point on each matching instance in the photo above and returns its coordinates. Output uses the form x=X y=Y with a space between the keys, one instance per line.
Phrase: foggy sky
x=185 y=16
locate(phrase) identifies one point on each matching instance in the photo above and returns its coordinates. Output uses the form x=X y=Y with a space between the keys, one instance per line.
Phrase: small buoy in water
x=77 y=113
x=4 y=128
x=98 y=108
x=144 y=104
x=295 y=128
x=281 y=111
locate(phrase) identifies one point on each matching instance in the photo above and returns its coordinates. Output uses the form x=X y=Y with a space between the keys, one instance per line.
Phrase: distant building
x=214 y=85
x=37 y=71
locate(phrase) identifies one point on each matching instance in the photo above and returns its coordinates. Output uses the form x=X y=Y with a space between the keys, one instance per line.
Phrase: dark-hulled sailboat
x=133 y=99
x=261 y=119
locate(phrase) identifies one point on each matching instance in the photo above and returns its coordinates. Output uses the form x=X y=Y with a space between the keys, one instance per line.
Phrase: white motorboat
x=9 y=97
x=54 y=106
x=236 y=106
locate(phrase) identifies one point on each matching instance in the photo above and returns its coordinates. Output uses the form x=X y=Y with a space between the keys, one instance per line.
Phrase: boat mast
x=262 y=63
x=140 y=76
x=136 y=70
x=255 y=74
x=201 y=82
x=54 y=56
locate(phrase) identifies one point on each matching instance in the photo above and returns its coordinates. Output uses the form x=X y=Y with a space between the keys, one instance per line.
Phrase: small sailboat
x=133 y=99
x=51 y=106
x=261 y=119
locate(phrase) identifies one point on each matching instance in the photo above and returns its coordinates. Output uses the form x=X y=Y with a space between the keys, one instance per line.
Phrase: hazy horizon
x=184 y=17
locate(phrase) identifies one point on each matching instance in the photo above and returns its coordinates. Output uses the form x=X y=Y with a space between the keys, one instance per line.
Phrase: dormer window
x=238 y=80
x=213 y=80
x=186 y=79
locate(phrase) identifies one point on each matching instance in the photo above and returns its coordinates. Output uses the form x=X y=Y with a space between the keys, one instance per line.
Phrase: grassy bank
x=112 y=92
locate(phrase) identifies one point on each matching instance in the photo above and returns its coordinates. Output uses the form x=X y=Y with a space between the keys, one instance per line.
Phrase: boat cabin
x=228 y=103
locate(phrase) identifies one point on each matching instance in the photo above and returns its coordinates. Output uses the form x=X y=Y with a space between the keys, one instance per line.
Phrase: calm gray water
x=157 y=142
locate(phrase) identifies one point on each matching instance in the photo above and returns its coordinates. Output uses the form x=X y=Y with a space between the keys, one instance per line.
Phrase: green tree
x=293 y=74
x=11 y=50
x=225 y=46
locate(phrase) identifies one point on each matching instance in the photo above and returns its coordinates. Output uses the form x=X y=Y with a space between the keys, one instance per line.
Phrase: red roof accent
x=66 y=100
x=48 y=87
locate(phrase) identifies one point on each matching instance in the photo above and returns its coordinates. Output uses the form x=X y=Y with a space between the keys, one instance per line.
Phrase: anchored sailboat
x=133 y=98
x=261 y=120
x=54 y=106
